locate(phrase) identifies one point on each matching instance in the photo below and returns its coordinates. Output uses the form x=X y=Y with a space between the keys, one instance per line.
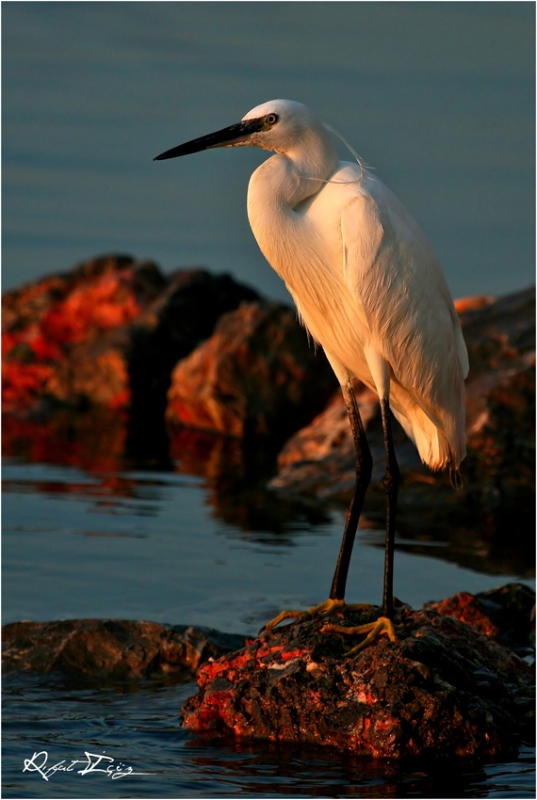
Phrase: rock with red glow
x=442 y=689
x=256 y=375
x=54 y=334
x=446 y=687
x=107 y=334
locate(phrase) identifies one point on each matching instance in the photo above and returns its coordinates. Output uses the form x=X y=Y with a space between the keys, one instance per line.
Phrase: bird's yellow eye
x=271 y=119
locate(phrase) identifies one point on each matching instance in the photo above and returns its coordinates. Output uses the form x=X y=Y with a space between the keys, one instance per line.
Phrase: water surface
x=438 y=97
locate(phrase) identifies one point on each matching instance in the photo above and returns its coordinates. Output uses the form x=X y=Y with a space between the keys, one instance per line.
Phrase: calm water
x=439 y=97
x=154 y=545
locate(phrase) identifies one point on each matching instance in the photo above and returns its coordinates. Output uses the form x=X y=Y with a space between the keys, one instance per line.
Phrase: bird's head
x=277 y=125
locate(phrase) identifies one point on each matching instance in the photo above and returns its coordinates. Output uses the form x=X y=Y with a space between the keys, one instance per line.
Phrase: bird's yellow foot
x=323 y=609
x=372 y=630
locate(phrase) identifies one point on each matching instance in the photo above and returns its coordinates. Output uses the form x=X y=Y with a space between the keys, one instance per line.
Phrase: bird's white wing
x=394 y=276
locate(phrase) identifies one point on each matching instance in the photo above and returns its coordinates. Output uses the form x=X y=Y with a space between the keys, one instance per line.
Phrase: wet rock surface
x=446 y=687
x=111 y=649
x=442 y=689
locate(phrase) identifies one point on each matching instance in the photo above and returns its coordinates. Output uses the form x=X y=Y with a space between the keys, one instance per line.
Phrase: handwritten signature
x=92 y=763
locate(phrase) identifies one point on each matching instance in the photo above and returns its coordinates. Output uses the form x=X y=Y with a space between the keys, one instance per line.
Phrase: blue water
x=151 y=545
x=439 y=98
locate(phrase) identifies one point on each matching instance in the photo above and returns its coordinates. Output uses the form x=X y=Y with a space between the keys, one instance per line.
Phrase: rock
x=104 y=339
x=498 y=473
x=182 y=317
x=506 y=614
x=256 y=375
x=50 y=327
x=442 y=689
x=319 y=459
x=107 y=334
x=500 y=468
x=111 y=649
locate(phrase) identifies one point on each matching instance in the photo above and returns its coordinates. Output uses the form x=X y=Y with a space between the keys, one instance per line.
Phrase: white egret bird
x=369 y=289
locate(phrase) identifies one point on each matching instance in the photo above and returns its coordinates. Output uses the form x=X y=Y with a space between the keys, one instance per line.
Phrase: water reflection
x=308 y=772
x=236 y=477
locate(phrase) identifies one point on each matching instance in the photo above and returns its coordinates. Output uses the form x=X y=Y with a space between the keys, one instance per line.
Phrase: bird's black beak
x=227 y=137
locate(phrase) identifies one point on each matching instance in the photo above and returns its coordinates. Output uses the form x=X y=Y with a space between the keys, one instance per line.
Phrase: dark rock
x=442 y=689
x=498 y=473
x=256 y=375
x=505 y=614
x=181 y=317
x=111 y=649
x=500 y=468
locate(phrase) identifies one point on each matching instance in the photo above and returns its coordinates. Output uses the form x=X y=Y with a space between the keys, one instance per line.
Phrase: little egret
x=369 y=289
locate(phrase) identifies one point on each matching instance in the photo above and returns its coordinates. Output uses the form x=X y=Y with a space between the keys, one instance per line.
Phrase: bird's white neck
x=279 y=187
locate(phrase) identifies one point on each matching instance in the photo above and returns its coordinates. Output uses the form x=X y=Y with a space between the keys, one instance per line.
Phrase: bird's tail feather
x=440 y=443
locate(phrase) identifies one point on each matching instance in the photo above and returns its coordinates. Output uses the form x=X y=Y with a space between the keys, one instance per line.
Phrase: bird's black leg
x=336 y=601
x=391 y=485
x=364 y=466
x=383 y=625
